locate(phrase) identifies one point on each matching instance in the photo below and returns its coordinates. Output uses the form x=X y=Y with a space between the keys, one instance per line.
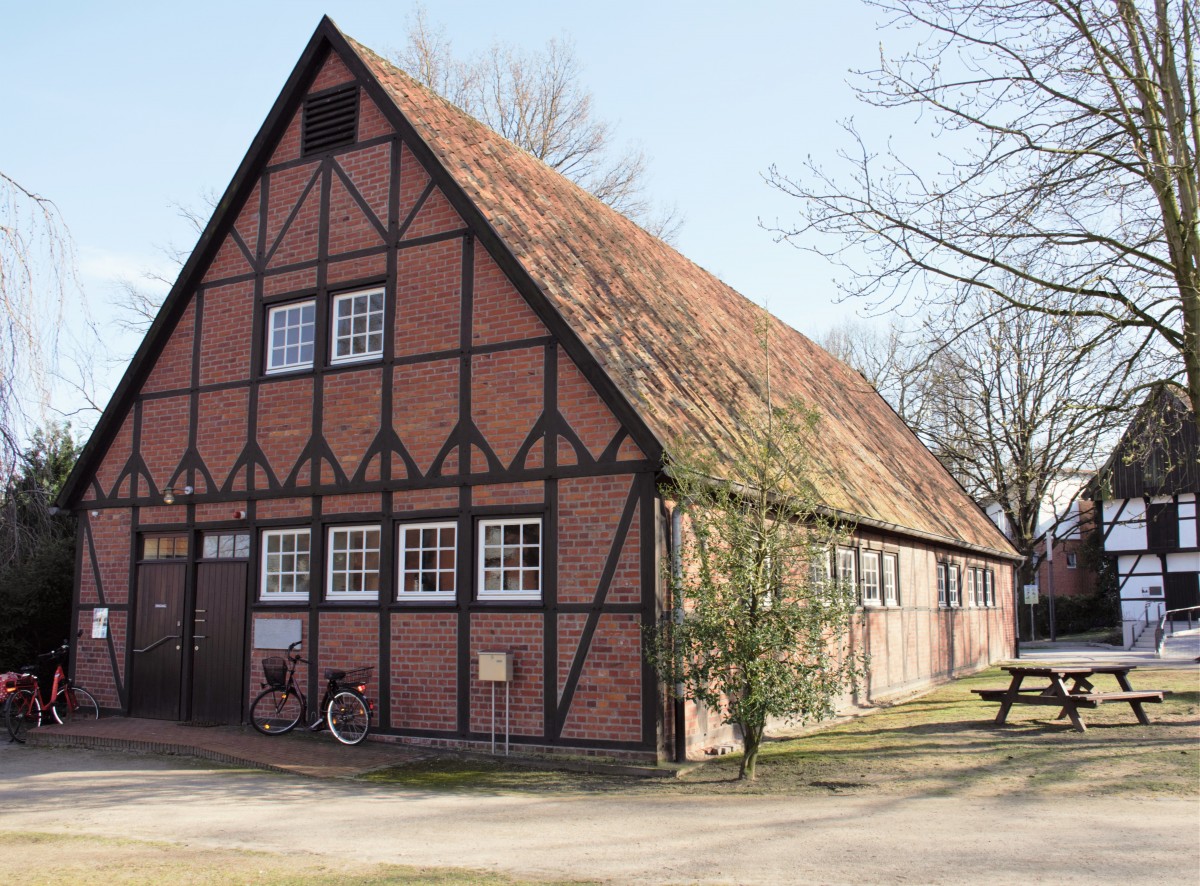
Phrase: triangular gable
x=231 y=239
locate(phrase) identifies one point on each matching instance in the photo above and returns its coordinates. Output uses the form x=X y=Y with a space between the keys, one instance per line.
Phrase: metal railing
x=1166 y=622
x=1141 y=625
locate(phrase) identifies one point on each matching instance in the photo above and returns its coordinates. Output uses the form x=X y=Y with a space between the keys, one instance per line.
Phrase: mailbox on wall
x=496 y=667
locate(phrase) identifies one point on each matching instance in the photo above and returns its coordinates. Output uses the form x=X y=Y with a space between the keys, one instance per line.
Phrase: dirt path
x=619 y=839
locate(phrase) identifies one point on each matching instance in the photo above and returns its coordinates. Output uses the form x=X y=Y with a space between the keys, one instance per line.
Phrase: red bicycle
x=24 y=704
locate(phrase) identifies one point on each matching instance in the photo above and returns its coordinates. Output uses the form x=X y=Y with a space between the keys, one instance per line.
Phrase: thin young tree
x=1067 y=135
x=763 y=633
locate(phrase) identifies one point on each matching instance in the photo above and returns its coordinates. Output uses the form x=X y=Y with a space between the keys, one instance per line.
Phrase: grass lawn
x=942 y=743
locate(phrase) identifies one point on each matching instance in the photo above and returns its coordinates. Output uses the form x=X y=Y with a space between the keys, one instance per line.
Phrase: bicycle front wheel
x=22 y=712
x=348 y=717
x=276 y=711
x=73 y=703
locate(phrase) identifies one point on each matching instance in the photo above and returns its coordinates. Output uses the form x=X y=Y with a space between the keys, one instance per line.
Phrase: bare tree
x=537 y=101
x=1070 y=131
x=1006 y=400
x=890 y=362
x=36 y=277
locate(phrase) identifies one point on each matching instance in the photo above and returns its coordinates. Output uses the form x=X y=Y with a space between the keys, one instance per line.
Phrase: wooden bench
x=1069 y=701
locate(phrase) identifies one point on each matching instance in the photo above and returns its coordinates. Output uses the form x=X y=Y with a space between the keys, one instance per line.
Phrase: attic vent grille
x=330 y=120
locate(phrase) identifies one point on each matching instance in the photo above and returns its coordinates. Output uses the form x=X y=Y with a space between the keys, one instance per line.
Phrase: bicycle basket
x=275 y=672
x=353 y=676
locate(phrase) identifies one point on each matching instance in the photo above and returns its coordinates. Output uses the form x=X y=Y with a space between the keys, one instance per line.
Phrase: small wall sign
x=1031 y=594
x=275 y=633
x=100 y=623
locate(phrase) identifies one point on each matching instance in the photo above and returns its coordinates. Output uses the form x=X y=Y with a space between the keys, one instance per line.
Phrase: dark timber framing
x=325 y=475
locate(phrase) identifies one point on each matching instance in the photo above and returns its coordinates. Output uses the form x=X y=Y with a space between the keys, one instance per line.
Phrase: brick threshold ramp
x=316 y=755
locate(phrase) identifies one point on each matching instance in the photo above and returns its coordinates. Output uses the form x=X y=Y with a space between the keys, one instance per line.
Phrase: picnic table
x=1080 y=694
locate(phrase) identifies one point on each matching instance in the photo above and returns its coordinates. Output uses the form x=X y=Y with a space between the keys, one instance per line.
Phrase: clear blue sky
x=116 y=114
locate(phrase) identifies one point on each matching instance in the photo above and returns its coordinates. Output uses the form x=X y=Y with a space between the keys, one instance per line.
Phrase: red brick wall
x=520 y=634
x=224 y=342
x=608 y=700
x=221 y=434
x=349 y=640
x=424 y=663
x=589 y=417
x=351 y=416
x=285 y=422
x=506 y=398
x=500 y=313
x=257 y=654
x=173 y=369
x=589 y=513
x=424 y=411
x=92 y=662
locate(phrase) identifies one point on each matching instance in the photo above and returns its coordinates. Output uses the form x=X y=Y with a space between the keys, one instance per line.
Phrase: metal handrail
x=157 y=643
x=1160 y=632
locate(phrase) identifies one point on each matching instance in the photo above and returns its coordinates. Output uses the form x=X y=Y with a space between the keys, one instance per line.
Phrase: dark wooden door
x=157 y=641
x=1182 y=589
x=218 y=642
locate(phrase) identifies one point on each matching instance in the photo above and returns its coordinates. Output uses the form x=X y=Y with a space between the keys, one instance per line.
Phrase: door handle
x=199 y=637
x=158 y=643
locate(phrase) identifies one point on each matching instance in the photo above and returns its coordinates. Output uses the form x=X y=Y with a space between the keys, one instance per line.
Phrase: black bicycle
x=344 y=708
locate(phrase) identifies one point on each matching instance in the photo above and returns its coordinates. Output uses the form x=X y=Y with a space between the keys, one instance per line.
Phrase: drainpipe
x=677 y=618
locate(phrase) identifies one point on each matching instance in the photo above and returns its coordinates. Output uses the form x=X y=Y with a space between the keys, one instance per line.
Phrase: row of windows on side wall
x=508 y=562
x=879 y=581
x=356 y=331
x=980 y=588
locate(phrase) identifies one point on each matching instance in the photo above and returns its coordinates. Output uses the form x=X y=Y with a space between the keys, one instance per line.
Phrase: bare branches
x=36 y=276
x=1071 y=135
x=1014 y=403
x=536 y=99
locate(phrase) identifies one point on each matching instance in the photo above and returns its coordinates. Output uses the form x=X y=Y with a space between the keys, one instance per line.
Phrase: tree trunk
x=751 y=740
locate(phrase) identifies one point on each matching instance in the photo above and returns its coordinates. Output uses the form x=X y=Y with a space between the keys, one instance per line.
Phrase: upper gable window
x=330 y=120
x=290 y=330
x=357 y=326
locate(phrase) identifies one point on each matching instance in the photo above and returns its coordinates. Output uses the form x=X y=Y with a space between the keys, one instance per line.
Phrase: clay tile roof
x=677 y=342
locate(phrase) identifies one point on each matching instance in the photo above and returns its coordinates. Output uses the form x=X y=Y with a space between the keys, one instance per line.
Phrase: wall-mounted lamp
x=188 y=490
x=169 y=495
x=95 y=513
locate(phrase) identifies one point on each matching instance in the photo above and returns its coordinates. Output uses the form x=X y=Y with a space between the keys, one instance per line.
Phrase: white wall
x=1187 y=520
x=1129 y=532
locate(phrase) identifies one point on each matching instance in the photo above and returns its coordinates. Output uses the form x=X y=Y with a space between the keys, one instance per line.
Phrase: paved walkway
x=1181 y=650
x=299 y=752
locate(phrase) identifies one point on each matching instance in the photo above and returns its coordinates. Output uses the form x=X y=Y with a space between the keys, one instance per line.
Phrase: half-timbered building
x=1146 y=497
x=408 y=402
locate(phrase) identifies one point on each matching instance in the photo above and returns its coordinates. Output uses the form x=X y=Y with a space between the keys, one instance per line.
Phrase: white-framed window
x=285 y=564
x=290 y=332
x=428 y=555
x=869 y=562
x=891 y=595
x=941 y=579
x=989 y=588
x=1072 y=560
x=847 y=571
x=819 y=569
x=357 y=326
x=510 y=559
x=970 y=598
x=353 y=571
x=952 y=585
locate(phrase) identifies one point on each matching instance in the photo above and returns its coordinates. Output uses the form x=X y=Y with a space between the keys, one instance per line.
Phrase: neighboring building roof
x=1158 y=452
x=677 y=344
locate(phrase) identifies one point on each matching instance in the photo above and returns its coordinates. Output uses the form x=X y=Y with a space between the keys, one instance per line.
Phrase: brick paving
x=301 y=753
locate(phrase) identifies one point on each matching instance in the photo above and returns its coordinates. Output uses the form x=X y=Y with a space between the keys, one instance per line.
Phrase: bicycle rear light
x=362 y=687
